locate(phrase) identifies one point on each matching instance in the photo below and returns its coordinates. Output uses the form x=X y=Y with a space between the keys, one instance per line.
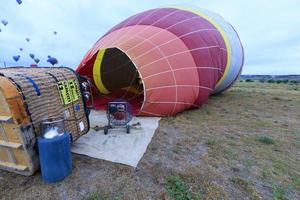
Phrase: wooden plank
x=4 y=107
x=3 y=155
x=13 y=166
x=9 y=151
x=6 y=119
x=10 y=134
x=13 y=157
x=10 y=144
x=22 y=157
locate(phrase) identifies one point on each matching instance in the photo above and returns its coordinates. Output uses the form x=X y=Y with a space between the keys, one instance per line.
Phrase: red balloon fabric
x=164 y=61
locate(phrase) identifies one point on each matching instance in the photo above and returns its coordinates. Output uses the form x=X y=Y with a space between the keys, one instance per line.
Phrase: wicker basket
x=29 y=96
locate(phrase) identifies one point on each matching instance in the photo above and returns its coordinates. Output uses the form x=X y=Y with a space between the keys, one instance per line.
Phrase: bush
x=262 y=80
x=266 y=140
x=271 y=81
x=285 y=81
x=294 y=82
x=249 y=80
x=279 y=81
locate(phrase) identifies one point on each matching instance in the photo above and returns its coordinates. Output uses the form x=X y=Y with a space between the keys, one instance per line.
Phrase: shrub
x=266 y=140
x=285 y=81
x=262 y=80
x=271 y=81
x=294 y=82
x=279 y=81
x=249 y=80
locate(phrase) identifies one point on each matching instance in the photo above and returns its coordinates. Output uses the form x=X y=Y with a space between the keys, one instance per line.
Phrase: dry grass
x=243 y=144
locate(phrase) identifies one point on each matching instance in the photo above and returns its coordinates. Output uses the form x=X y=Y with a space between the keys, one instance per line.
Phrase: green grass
x=97 y=196
x=296 y=181
x=93 y=196
x=211 y=142
x=279 y=192
x=240 y=182
x=266 y=140
x=249 y=163
x=178 y=189
x=266 y=172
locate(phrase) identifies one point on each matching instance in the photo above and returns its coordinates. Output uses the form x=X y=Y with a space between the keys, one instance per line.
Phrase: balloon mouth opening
x=116 y=77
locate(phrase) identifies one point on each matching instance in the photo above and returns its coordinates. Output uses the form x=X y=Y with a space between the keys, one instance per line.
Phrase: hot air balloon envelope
x=32 y=55
x=16 y=58
x=4 y=22
x=19 y=2
x=52 y=60
x=27 y=39
x=164 y=61
x=36 y=60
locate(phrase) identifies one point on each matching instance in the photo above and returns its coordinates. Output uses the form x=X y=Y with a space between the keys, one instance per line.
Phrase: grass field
x=243 y=144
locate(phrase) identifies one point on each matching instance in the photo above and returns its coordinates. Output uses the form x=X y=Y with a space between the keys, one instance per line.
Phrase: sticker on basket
x=64 y=92
x=74 y=89
x=81 y=126
x=67 y=114
x=68 y=91
x=77 y=107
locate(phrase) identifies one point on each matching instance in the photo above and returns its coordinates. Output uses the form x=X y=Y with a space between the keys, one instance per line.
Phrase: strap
x=36 y=87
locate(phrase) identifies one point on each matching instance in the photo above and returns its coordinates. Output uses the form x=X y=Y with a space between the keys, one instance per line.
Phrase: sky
x=269 y=30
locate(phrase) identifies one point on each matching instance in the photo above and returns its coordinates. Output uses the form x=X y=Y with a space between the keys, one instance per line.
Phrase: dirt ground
x=243 y=144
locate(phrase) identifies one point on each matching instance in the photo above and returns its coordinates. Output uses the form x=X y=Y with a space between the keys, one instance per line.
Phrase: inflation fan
x=119 y=114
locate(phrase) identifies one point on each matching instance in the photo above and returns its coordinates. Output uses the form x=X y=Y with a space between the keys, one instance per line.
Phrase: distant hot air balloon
x=21 y=49
x=53 y=61
x=54 y=32
x=16 y=58
x=4 y=22
x=27 y=39
x=37 y=60
x=49 y=56
x=19 y=2
x=32 y=55
x=0 y=30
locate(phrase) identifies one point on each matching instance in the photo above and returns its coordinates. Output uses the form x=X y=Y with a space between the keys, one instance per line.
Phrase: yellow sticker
x=68 y=91
x=74 y=90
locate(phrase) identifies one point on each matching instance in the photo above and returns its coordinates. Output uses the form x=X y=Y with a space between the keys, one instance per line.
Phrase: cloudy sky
x=269 y=30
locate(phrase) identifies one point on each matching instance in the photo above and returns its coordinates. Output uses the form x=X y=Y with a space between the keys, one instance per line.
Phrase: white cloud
x=269 y=30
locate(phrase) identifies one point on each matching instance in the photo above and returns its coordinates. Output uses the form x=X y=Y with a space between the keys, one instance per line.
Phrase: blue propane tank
x=55 y=157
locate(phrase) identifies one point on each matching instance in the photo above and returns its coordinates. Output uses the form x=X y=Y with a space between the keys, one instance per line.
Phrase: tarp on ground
x=117 y=146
